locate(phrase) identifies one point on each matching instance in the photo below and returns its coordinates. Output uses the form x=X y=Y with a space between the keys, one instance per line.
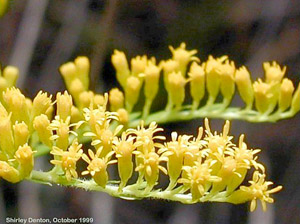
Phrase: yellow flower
x=116 y=99
x=120 y=63
x=183 y=57
x=97 y=167
x=68 y=159
x=123 y=148
x=244 y=84
x=273 y=72
x=199 y=178
x=197 y=83
x=259 y=190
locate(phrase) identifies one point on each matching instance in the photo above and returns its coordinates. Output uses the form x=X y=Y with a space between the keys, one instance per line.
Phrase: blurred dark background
x=39 y=35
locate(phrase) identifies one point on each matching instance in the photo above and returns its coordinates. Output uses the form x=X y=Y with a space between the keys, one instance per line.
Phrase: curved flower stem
x=131 y=192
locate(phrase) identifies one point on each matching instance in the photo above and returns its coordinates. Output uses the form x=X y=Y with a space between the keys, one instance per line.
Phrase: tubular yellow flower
x=262 y=95
x=21 y=134
x=174 y=151
x=64 y=105
x=259 y=190
x=138 y=65
x=132 y=92
x=273 y=72
x=183 y=57
x=68 y=72
x=97 y=167
x=176 y=89
x=123 y=116
x=98 y=100
x=6 y=136
x=152 y=73
x=86 y=99
x=62 y=129
x=150 y=167
x=16 y=102
x=169 y=66
x=68 y=159
x=213 y=81
x=3 y=87
x=227 y=72
x=197 y=82
x=11 y=74
x=24 y=155
x=120 y=63
x=244 y=84
x=286 y=92
x=82 y=64
x=9 y=173
x=76 y=87
x=41 y=124
x=123 y=148
x=41 y=103
x=116 y=99
x=295 y=107
x=199 y=178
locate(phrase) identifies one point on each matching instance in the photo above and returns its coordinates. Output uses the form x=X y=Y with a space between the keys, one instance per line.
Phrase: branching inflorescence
x=205 y=167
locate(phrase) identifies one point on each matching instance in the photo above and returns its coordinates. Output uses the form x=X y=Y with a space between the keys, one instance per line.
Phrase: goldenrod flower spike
x=244 y=84
x=120 y=63
x=183 y=57
x=197 y=83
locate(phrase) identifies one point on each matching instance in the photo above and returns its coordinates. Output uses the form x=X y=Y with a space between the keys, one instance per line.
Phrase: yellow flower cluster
x=214 y=77
x=207 y=167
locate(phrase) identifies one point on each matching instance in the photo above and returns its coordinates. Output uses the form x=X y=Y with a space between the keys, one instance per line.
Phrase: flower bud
x=11 y=74
x=41 y=103
x=9 y=173
x=262 y=95
x=21 y=134
x=123 y=116
x=183 y=57
x=152 y=73
x=286 y=91
x=132 y=92
x=197 y=77
x=98 y=100
x=227 y=71
x=244 y=84
x=273 y=72
x=116 y=99
x=6 y=136
x=24 y=156
x=83 y=68
x=76 y=87
x=120 y=63
x=68 y=72
x=176 y=88
x=64 y=104
x=41 y=125
x=138 y=65
x=295 y=107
